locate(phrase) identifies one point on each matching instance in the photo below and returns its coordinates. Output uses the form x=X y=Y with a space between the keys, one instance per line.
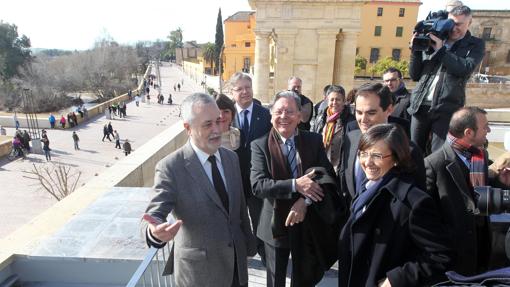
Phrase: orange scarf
x=330 y=127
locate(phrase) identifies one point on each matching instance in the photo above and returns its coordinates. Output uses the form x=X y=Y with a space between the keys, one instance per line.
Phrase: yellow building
x=239 y=52
x=386 y=27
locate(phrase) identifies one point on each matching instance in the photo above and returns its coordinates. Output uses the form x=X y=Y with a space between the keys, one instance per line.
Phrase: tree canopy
x=388 y=62
x=218 y=43
x=15 y=51
x=175 y=39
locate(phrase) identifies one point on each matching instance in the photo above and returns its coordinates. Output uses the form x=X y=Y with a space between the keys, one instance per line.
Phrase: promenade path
x=21 y=199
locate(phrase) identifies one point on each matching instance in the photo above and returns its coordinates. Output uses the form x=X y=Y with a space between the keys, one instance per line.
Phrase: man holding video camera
x=442 y=72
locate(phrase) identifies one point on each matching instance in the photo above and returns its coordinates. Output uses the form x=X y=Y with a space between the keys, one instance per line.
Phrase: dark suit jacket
x=259 y=126
x=400 y=236
x=448 y=183
x=350 y=152
x=306 y=250
x=403 y=123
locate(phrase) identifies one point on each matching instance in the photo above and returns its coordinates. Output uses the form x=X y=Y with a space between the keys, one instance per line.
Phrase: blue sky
x=75 y=24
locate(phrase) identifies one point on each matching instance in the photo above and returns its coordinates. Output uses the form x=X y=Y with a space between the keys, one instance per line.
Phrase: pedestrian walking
x=52 y=120
x=63 y=122
x=179 y=87
x=137 y=100
x=170 y=101
x=76 y=139
x=106 y=133
x=16 y=122
x=148 y=99
x=175 y=88
x=25 y=140
x=127 y=147
x=110 y=128
x=117 y=139
x=46 y=145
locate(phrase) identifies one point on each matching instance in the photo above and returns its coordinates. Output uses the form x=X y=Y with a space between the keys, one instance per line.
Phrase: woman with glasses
x=394 y=235
x=231 y=136
x=330 y=122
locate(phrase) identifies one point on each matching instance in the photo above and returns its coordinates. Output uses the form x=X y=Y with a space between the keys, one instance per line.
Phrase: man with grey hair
x=279 y=176
x=442 y=77
x=295 y=84
x=200 y=184
x=254 y=121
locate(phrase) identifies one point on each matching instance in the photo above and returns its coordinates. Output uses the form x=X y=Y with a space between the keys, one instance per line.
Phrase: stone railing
x=136 y=170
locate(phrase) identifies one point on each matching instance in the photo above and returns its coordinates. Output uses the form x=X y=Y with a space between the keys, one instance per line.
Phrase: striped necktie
x=291 y=156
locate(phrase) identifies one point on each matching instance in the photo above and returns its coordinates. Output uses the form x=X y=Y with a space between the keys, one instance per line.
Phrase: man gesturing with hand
x=200 y=184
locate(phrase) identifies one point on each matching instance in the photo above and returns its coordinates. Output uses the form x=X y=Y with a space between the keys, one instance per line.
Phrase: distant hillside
x=50 y=52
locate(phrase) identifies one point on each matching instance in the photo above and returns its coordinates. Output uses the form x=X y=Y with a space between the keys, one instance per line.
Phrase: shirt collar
x=249 y=108
x=203 y=156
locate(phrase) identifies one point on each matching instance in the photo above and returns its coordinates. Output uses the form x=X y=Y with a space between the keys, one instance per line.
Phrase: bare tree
x=57 y=179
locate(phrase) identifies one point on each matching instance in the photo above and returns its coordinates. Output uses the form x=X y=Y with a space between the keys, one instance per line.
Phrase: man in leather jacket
x=442 y=77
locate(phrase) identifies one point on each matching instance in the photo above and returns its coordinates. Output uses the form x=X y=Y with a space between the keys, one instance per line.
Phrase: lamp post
x=31 y=117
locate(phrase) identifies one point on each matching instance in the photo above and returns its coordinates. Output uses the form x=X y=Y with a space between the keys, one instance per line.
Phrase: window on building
x=395 y=54
x=487 y=33
x=246 y=65
x=247 y=44
x=399 y=31
x=233 y=45
x=378 y=30
x=374 y=55
x=357 y=51
x=401 y=12
x=379 y=11
x=508 y=57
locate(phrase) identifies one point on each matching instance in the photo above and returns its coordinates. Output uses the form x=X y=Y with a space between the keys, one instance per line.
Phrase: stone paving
x=21 y=199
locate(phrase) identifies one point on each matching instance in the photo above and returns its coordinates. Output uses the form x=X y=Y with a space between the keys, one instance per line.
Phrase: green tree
x=209 y=52
x=360 y=64
x=378 y=68
x=175 y=39
x=15 y=51
x=218 y=43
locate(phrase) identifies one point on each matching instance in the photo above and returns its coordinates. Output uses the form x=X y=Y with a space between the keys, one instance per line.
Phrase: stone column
x=261 y=75
x=345 y=60
x=285 y=44
x=325 y=61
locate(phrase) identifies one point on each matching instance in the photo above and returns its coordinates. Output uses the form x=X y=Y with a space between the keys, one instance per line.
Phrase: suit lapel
x=458 y=177
x=354 y=137
x=197 y=172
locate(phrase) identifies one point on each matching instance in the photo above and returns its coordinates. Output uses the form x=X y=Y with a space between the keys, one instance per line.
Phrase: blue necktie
x=291 y=157
x=246 y=126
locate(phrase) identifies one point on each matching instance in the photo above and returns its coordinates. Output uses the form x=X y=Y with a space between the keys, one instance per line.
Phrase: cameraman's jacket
x=457 y=64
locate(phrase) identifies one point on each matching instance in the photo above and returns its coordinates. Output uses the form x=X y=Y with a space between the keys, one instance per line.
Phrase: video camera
x=436 y=23
x=492 y=200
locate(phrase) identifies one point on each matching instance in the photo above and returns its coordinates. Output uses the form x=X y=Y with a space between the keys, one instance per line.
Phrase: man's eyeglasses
x=390 y=80
x=239 y=89
x=363 y=155
x=289 y=113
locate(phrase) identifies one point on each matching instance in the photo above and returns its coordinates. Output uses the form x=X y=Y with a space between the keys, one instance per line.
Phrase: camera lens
x=492 y=200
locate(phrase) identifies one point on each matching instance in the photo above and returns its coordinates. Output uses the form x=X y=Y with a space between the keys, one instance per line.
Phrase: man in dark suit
x=452 y=172
x=200 y=184
x=254 y=121
x=392 y=78
x=279 y=160
x=372 y=107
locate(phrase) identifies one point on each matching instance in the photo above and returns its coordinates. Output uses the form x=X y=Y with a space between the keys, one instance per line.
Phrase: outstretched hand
x=162 y=231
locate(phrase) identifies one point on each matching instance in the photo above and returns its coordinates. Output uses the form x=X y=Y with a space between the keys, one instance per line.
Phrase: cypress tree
x=218 y=43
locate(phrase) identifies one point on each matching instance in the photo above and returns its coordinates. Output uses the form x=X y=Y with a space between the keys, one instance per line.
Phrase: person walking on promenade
x=16 y=122
x=137 y=99
x=106 y=134
x=76 y=139
x=52 y=120
x=46 y=145
x=148 y=99
x=127 y=147
x=63 y=122
x=117 y=139
x=25 y=140
x=178 y=87
x=110 y=129
x=170 y=101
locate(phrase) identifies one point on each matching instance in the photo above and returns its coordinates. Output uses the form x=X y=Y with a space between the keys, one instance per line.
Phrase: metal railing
x=150 y=271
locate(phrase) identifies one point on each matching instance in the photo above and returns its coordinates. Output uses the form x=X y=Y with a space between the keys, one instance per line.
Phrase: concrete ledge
x=136 y=169
x=5 y=147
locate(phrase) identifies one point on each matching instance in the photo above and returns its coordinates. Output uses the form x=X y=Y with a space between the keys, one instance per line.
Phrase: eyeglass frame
x=373 y=156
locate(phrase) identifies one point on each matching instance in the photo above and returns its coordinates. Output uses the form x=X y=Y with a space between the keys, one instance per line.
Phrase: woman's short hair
x=225 y=103
x=396 y=140
x=336 y=89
